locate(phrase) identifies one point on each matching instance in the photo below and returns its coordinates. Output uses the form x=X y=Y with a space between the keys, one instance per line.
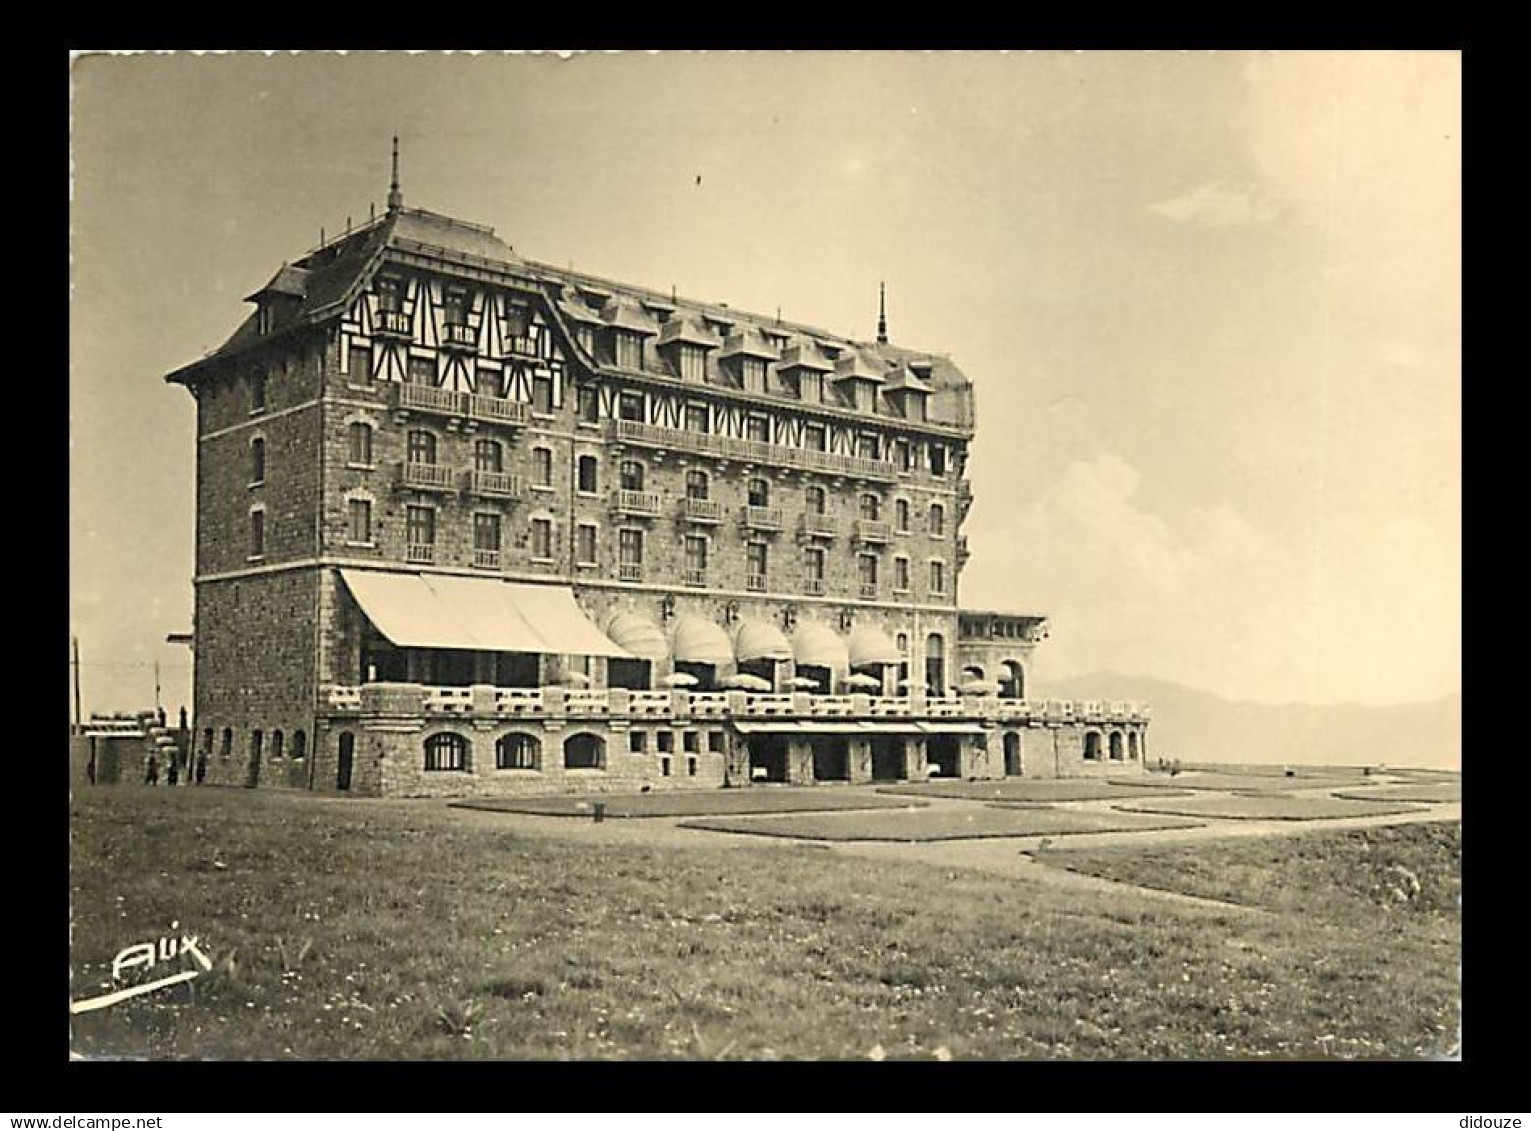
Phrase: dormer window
x=628 y=349
x=810 y=386
x=264 y=318
x=752 y=373
x=390 y=295
x=454 y=306
x=692 y=362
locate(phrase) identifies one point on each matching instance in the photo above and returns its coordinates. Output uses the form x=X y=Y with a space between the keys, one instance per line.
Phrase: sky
x=1209 y=302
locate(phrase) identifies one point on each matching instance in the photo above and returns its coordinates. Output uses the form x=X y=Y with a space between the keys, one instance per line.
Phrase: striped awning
x=700 y=641
x=639 y=635
x=815 y=644
x=871 y=645
x=760 y=640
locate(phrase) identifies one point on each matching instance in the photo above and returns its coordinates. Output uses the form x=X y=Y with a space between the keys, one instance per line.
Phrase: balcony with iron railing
x=391 y=324
x=868 y=590
x=486 y=559
x=426 y=477
x=755 y=582
x=820 y=525
x=701 y=510
x=694 y=578
x=762 y=518
x=458 y=337
x=643 y=504
x=494 y=484
x=873 y=531
x=629 y=571
x=814 y=587
x=748 y=451
x=420 y=553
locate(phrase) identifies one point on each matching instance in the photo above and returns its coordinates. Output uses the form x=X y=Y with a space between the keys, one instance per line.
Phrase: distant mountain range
x=1198 y=726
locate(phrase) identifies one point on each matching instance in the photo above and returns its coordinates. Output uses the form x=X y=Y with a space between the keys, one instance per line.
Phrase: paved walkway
x=1006 y=856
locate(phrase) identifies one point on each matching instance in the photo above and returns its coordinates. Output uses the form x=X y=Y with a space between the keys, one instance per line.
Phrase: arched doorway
x=1116 y=746
x=1012 y=684
x=344 y=755
x=1013 y=765
x=1132 y=747
x=1092 y=746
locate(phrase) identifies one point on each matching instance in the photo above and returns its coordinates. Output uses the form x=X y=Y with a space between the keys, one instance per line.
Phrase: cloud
x=1217 y=204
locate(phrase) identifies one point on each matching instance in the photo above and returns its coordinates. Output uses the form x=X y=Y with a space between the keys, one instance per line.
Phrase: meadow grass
x=348 y=929
x=691 y=803
x=1031 y=789
x=939 y=824
x=1437 y=792
x=1269 y=807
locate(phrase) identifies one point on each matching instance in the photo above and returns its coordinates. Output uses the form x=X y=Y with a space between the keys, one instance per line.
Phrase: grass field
x=1436 y=792
x=352 y=929
x=1024 y=789
x=1270 y=807
x=1243 y=783
x=690 y=804
x=939 y=824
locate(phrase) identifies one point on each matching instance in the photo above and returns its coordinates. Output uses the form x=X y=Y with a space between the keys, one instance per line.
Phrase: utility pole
x=156 y=686
x=75 y=644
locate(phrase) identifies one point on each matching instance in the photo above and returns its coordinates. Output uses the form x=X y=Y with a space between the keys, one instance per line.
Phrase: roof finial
x=882 y=314
x=395 y=197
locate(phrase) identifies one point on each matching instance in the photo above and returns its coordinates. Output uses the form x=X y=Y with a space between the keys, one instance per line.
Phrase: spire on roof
x=882 y=314
x=395 y=196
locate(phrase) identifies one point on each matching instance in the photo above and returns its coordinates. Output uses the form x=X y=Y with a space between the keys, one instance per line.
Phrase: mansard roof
x=326 y=281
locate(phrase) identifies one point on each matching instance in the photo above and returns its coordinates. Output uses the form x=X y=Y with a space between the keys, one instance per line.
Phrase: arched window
x=278 y=741
x=257 y=741
x=1132 y=747
x=207 y=740
x=935 y=664
x=869 y=507
x=257 y=460
x=359 y=444
x=696 y=484
x=446 y=751
x=1013 y=685
x=587 y=478
x=516 y=752
x=816 y=499
x=299 y=745
x=488 y=455
x=422 y=446
x=1092 y=747
x=584 y=752
x=631 y=475
x=937 y=520
x=226 y=749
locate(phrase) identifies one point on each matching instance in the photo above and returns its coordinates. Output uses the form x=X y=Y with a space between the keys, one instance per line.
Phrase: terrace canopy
x=871 y=645
x=819 y=646
x=415 y=610
x=700 y=641
x=639 y=635
x=760 y=640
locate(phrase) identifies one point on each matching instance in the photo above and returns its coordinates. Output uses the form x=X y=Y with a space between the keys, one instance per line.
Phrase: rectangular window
x=691 y=742
x=693 y=363
x=257 y=534
x=901 y=458
x=486 y=532
x=359 y=529
x=811 y=385
x=815 y=439
x=629 y=350
x=667 y=742
x=542 y=467
x=938 y=460
x=257 y=392
x=488 y=456
x=698 y=419
x=901 y=574
x=866 y=565
x=360 y=436
x=586 y=475
x=696 y=484
x=422 y=370
x=359 y=365
x=938 y=577
x=390 y=295
x=715 y=742
x=542 y=393
x=637 y=741
x=589 y=404
x=630 y=407
x=420 y=526
x=542 y=539
x=753 y=371
x=630 y=547
x=696 y=554
x=937 y=520
x=584 y=544
x=868 y=446
x=815 y=563
x=454 y=307
x=759 y=493
x=757 y=428
x=755 y=559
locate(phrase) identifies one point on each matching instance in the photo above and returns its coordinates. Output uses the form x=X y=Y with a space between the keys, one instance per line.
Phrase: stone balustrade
x=533 y=702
